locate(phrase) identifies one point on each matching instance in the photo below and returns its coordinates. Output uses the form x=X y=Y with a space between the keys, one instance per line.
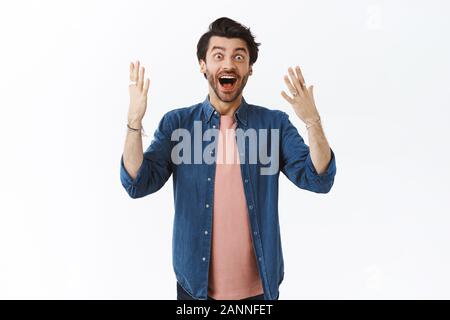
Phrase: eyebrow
x=222 y=48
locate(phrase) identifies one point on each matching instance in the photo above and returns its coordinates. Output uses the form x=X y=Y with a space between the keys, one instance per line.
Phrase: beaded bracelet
x=309 y=125
x=134 y=129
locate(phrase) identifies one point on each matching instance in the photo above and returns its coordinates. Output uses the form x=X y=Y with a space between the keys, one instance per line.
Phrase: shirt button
x=209 y=179
x=255 y=233
x=207 y=205
x=251 y=207
x=215 y=112
x=246 y=180
x=214 y=126
x=258 y=258
x=204 y=259
x=206 y=231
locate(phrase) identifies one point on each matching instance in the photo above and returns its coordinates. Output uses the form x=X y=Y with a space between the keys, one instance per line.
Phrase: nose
x=228 y=63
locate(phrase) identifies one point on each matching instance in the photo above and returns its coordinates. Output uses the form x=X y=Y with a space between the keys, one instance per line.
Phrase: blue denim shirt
x=193 y=190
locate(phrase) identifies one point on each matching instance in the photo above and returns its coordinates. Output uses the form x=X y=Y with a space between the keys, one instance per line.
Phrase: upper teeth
x=228 y=77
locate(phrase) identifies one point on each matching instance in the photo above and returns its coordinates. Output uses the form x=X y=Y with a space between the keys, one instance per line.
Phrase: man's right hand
x=138 y=95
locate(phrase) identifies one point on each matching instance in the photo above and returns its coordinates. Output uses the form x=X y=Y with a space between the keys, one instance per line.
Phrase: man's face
x=227 y=67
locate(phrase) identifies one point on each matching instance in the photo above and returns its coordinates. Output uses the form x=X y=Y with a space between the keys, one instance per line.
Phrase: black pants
x=183 y=295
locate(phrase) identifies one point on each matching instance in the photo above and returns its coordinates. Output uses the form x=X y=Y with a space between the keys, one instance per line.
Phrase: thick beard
x=223 y=97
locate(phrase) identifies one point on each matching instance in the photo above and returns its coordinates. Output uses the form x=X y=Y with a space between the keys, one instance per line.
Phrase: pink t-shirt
x=233 y=272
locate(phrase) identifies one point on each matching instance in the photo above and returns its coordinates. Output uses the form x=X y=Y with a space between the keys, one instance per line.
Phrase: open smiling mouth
x=227 y=83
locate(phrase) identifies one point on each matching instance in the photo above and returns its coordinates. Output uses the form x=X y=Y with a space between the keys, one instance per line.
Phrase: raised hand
x=138 y=94
x=303 y=99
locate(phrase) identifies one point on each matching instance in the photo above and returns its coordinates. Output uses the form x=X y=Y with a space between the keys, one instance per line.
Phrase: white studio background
x=68 y=229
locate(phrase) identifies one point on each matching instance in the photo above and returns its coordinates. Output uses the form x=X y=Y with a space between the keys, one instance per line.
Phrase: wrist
x=312 y=119
x=136 y=127
x=135 y=123
x=312 y=122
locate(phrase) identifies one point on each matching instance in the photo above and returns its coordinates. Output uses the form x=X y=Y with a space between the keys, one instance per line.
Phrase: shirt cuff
x=125 y=176
x=324 y=176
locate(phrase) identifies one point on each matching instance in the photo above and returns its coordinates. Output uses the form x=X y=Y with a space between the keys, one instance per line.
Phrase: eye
x=240 y=56
x=217 y=54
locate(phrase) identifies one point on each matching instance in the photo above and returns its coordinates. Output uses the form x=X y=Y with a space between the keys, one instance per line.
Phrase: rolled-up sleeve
x=296 y=162
x=156 y=166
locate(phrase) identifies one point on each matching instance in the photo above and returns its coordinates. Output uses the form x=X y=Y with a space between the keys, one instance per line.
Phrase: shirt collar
x=240 y=113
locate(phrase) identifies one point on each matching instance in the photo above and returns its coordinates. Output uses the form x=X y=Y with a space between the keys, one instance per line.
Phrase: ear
x=202 y=66
x=251 y=70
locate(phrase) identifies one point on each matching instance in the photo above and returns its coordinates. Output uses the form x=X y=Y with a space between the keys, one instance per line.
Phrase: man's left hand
x=303 y=98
